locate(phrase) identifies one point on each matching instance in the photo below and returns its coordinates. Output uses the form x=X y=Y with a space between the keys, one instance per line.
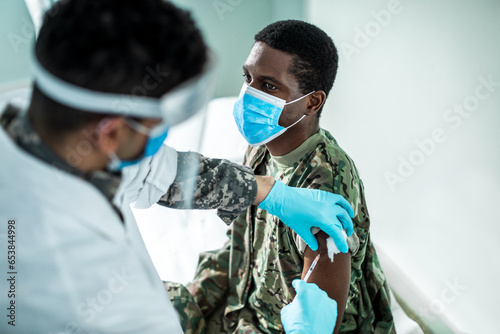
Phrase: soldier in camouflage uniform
x=242 y=287
x=245 y=295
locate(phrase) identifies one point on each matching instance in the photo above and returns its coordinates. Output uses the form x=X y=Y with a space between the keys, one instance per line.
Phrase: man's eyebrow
x=265 y=77
x=272 y=79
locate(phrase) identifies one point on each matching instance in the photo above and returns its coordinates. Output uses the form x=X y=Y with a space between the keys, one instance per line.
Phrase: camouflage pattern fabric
x=242 y=287
x=191 y=317
x=221 y=184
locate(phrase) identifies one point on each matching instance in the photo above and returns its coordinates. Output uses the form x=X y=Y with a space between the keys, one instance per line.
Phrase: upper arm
x=219 y=184
x=332 y=277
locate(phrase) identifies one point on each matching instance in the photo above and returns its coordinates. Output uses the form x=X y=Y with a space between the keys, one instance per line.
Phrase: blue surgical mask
x=257 y=115
x=156 y=137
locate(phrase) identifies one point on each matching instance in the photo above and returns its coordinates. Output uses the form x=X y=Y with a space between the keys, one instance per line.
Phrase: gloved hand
x=312 y=311
x=302 y=208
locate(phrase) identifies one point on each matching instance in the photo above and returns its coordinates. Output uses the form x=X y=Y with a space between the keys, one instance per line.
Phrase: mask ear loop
x=138 y=126
x=156 y=130
x=114 y=162
x=288 y=127
x=300 y=98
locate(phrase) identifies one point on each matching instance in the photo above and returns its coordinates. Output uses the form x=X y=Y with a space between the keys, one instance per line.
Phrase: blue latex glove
x=312 y=311
x=302 y=208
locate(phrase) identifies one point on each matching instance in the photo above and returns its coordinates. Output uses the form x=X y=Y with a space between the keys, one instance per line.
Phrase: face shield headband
x=174 y=107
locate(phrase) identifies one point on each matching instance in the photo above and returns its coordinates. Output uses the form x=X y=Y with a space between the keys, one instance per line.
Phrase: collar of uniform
x=19 y=129
x=289 y=159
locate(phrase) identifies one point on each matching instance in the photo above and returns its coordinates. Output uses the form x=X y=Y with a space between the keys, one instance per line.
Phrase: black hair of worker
x=132 y=47
x=316 y=57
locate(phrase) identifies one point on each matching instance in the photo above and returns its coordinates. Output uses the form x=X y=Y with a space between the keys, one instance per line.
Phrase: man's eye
x=247 y=77
x=268 y=86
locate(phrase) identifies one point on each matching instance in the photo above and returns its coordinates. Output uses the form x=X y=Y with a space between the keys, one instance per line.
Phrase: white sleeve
x=146 y=182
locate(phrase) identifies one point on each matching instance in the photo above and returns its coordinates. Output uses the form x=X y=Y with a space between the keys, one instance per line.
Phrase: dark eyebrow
x=272 y=79
x=266 y=77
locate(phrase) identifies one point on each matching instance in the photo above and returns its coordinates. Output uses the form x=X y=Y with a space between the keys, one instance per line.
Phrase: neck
x=291 y=139
x=75 y=149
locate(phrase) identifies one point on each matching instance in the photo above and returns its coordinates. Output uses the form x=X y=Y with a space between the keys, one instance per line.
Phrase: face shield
x=185 y=104
x=174 y=107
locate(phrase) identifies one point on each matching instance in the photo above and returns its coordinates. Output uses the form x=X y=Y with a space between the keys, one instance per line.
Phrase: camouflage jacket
x=242 y=287
x=220 y=184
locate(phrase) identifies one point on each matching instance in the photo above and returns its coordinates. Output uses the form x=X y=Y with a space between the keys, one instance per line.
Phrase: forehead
x=263 y=60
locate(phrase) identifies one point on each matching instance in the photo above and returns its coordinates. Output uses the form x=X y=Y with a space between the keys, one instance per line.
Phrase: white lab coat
x=78 y=268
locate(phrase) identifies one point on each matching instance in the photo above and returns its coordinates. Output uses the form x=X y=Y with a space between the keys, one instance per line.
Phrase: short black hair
x=316 y=57
x=112 y=46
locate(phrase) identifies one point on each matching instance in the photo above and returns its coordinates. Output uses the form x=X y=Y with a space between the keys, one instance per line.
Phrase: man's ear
x=314 y=102
x=109 y=133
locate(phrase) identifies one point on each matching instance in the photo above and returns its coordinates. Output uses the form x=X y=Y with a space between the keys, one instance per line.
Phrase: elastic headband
x=94 y=101
x=175 y=106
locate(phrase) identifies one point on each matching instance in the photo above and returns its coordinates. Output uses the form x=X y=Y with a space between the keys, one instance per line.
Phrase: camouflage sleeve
x=220 y=184
x=335 y=172
x=7 y=115
x=211 y=280
x=191 y=317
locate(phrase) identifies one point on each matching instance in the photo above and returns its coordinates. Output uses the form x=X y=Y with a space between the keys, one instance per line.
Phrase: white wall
x=399 y=81
x=229 y=27
x=16 y=40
